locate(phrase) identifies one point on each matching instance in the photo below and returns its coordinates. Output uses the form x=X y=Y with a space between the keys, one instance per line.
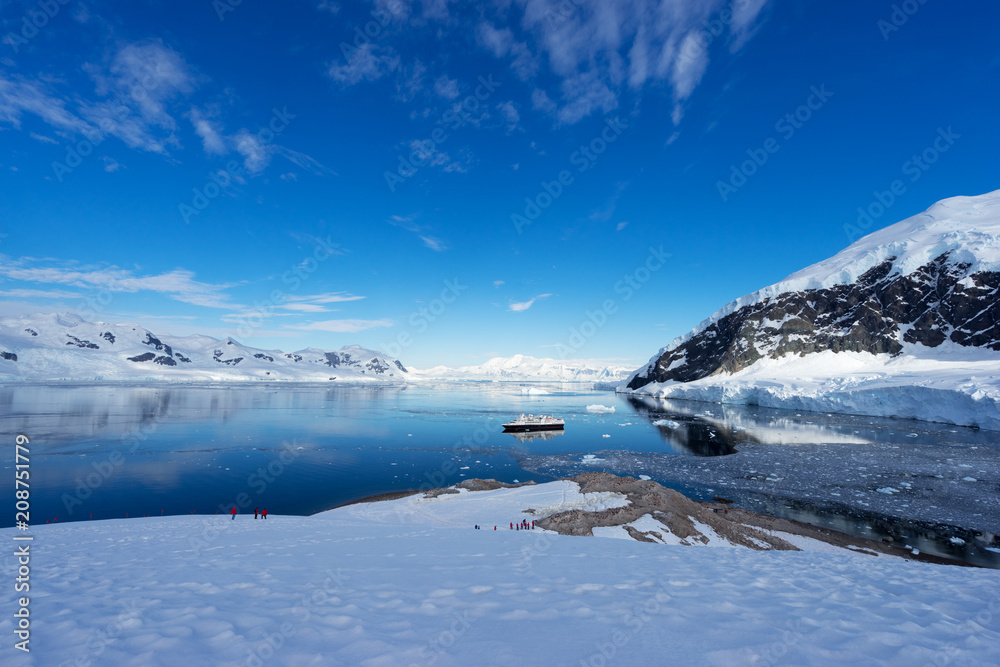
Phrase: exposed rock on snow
x=63 y=347
x=410 y=581
x=904 y=318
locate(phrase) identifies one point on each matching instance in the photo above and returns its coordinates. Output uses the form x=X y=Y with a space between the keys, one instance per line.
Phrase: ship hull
x=521 y=428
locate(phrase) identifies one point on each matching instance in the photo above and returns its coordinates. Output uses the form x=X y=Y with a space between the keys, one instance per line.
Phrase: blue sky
x=574 y=179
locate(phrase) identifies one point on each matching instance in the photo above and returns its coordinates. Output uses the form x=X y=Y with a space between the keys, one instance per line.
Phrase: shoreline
x=735 y=514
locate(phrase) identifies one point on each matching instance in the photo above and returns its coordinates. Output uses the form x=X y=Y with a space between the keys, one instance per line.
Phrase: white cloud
x=434 y=243
x=744 y=22
x=541 y=100
x=43 y=139
x=525 y=305
x=341 y=326
x=316 y=303
x=110 y=164
x=498 y=283
x=133 y=89
x=620 y=226
x=256 y=154
x=40 y=294
x=179 y=284
x=409 y=224
x=369 y=62
x=596 y=50
x=211 y=136
x=446 y=88
x=510 y=114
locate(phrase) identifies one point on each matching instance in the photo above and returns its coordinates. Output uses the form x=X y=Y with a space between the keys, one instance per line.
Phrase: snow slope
x=410 y=582
x=66 y=347
x=902 y=323
x=521 y=368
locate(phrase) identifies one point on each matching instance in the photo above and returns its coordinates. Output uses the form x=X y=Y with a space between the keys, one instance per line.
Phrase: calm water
x=107 y=451
x=101 y=452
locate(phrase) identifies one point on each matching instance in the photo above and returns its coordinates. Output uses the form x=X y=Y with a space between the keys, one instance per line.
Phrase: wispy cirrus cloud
x=341 y=326
x=521 y=306
x=179 y=284
x=409 y=224
x=316 y=303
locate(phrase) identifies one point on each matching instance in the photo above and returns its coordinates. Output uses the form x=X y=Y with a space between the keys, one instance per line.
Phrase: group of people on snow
x=523 y=525
x=256 y=512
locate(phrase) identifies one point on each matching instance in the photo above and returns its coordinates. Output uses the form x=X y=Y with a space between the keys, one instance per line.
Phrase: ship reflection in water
x=528 y=436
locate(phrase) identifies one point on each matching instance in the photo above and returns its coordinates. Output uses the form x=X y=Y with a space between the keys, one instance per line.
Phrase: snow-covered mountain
x=904 y=322
x=521 y=368
x=66 y=347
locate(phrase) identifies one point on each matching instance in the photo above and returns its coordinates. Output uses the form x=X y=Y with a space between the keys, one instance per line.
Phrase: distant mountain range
x=521 y=368
x=905 y=322
x=54 y=347
x=66 y=347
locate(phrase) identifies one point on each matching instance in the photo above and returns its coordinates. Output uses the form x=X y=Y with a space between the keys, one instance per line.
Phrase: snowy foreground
x=410 y=582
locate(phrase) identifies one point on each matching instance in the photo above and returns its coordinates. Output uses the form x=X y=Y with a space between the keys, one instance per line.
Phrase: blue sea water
x=111 y=451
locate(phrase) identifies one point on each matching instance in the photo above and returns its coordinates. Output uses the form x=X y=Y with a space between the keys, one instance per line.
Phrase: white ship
x=534 y=423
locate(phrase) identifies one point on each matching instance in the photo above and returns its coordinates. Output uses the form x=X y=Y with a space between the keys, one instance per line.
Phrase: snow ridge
x=63 y=346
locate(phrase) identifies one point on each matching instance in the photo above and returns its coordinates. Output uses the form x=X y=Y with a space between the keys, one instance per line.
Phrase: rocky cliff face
x=925 y=281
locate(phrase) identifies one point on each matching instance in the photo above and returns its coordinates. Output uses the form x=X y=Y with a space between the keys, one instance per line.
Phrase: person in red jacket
x=256 y=511
x=233 y=512
x=263 y=514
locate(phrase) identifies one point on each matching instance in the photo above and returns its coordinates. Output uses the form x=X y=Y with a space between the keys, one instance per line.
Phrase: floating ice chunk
x=957 y=540
x=888 y=490
x=669 y=423
x=532 y=391
x=911 y=435
x=590 y=458
x=600 y=408
x=969 y=479
x=645 y=477
x=606 y=435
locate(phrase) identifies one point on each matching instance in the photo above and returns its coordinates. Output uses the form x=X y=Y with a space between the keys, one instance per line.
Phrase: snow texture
x=410 y=582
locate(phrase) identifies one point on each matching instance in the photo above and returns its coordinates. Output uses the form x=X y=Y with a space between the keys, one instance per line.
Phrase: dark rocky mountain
x=927 y=281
